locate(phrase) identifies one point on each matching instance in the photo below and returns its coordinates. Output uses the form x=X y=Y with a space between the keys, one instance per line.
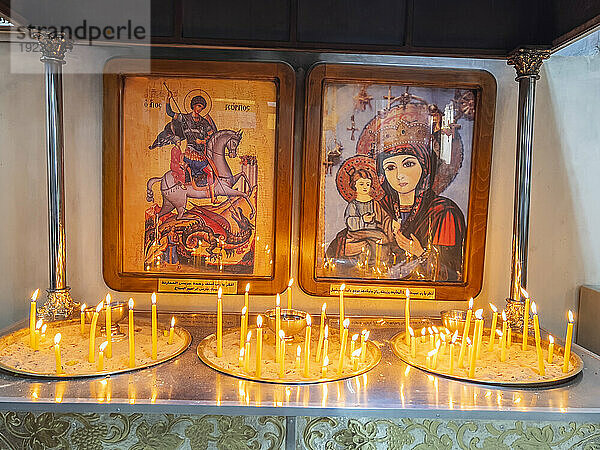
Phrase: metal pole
x=527 y=64
x=59 y=304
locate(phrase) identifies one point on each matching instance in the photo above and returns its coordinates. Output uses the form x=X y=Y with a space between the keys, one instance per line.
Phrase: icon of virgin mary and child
x=395 y=218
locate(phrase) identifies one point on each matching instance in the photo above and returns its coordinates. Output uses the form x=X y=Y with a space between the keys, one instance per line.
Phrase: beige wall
x=564 y=249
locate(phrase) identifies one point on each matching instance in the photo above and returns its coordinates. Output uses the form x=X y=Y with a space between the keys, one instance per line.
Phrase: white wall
x=564 y=251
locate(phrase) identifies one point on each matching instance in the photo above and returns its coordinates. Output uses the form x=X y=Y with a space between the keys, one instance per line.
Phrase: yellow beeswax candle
x=247 y=299
x=326 y=342
x=321 y=332
x=413 y=343
x=36 y=334
x=568 y=340
x=364 y=336
x=108 y=323
x=324 y=367
x=355 y=359
x=407 y=316
x=43 y=336
x=289 y=293
x=282 y=355
x=297 y=362
x=57 y=354
x=92 y=347
x=344 y=340
x=476 y=338
x=82 y=319
x=103 y=346
x=131 y=330
x=32 y=317
x=550 y=349
x=342 y=287
x=247 y=352
x=259 y=342
x=423 y=332
x=525 y=320
x=480 y=337
x=219 y=323
x=504 y=338
x=463 y=344
x=509 y=338
x=171 y=331
x=241 y=358
x=431 y=338
x=155 y=329
x=277 y=327
x=493 y=329
x=353 y=342
x=454 y=337
x=443 y=346
x=307 y=335
x=538 y=340
x=243 y=325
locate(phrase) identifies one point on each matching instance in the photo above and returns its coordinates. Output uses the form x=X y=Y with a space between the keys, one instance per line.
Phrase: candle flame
x=326 y=332
x=423 y=331
x=571 y=316
x=44 y=328
x=241 y=352
x=435 y=330
x=479 y=314
x=493 y=307
x=503 y=316
x=551 y=338
x=130 y=303
x=443 y=337
x=35 y=294
x=100 y=306
x=308 y=320
x=57 y=337
x=107 y=299
x=346 y=323
x=407 y=293
x=471 y=303
x=244 y=310
x=432 y=352
x=172 y=321
x=154 y=298
x=249 y=336
x=524 y=293
x=38 y=324
x=498 y=332
x=259 y=321
x=324 y=307
x=410 y=330
x=220 y=292
x=83 y=307
x=103 y=346
x=290 y=282
x=281 y=334
x=468 y=340
x=454 y=336
x=277 y=300
x=367 y=335
x=533 y=308
x=429 y=330
x=325 y=362
x=298 y=351
x=248 y=287
x=356 y=353
x=355 y=337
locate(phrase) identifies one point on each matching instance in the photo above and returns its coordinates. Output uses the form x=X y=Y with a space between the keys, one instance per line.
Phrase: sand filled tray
x=229 y=362
x=17 y=356
x=519 y=369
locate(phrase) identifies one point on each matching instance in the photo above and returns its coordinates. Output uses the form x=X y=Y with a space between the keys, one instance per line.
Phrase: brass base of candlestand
x=228 y=363
x=519 y=370
x=58 y=306
x=17 y=357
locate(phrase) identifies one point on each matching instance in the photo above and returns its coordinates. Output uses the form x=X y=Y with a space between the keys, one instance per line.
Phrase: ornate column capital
x=54 y=45
x=527 y=61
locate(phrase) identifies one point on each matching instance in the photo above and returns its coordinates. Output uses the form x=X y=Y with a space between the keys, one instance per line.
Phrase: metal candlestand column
x=527 y=64
x=59 y=304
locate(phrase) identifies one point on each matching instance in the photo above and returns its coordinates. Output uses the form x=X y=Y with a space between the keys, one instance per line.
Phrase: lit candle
x=550 y=349
x=108 y=324
x=171 y=331
x=101 y=356
x=429 y=359
x=509 y=338
x=355 y=359
x=321 y=331
x=463 y=344
x=476 y=338
x=131 y=336
x=525 y=319
x=32 y=317
x=247 y=352
x=82 y=319
x=324 y=368
x=568 y=340
x=289 y=293
x=259 y=338
x=454 y=337
x=363 y=345
x=504 y=338
x=480 y=337
x=423 y=331
x=538 y=340
x=155 y=329
x=326 y=342
x=431 y=338
x=57 y=354
x=435 y=356
x=282 y=355
x=43 y=337
x=241 y=358
x=277 y=327
x=413 y=343
x=219 y=323
x=493 y=329
x=307 y=345
x=247 y=299
x=343 y=347
x=342 y=287
x=298 y=352
x=407 y=316
x=92 y=348
x=353 y=342
x=243 y=325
